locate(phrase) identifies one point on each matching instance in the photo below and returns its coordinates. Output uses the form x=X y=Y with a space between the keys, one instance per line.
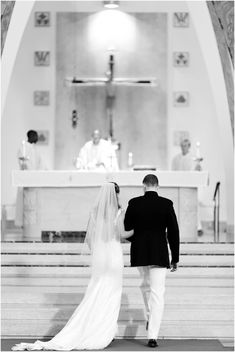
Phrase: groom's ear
x=144 y=187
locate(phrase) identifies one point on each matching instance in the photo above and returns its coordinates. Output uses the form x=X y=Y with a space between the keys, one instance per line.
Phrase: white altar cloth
x=73 y=178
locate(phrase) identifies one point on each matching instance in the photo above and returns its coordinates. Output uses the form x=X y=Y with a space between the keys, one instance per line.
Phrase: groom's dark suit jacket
x=154 y=223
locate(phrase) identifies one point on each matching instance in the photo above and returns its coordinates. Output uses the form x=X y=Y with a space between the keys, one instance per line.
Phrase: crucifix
x=109 y=81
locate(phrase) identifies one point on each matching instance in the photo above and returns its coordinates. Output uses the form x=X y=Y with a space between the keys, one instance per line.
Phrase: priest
x=98 y=154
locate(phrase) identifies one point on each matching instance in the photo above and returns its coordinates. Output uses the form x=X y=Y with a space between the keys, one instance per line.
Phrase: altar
x=61 y=200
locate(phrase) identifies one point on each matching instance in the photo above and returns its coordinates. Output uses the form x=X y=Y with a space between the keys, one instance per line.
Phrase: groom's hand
x=173 y=267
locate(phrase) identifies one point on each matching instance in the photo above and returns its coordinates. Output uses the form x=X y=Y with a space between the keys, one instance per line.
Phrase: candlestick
x=198 y=155
x=130 y=159
x=198 y=159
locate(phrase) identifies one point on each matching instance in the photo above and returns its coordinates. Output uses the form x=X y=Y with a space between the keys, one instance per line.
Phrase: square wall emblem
x=181 y=19
x=181 y=59
x=42 y=19
x=41 y=97
x=181 y=98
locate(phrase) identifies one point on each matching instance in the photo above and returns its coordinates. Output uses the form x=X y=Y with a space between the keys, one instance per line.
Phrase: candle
x=23 y=149
x=198 y=155
x=130 y=159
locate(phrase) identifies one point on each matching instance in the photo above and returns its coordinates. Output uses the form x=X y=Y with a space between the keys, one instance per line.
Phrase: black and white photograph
x=117 y=168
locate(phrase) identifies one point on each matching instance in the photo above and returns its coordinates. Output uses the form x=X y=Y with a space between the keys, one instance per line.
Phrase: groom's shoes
x=152 y=343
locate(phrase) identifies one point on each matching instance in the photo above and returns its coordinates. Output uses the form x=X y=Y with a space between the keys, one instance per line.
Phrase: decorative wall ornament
x=42 y=58
x=41 y=97
x=43 y=137
x=74 y=118
x=179 y=136
x=222 y=17
x=181 y=59
x=42 y=19
x=181 y=98
x=181 y=19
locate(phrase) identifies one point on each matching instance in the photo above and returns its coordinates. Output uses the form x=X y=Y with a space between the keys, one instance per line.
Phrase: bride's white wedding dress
x=93 y=324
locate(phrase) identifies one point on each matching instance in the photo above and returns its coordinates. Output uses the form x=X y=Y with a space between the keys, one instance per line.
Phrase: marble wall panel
x=188 y=214
x=140 y=116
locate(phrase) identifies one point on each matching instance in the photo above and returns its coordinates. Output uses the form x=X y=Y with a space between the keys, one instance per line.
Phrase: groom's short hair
x=150 y=180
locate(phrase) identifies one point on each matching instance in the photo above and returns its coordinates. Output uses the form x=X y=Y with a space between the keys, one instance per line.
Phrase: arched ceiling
x=222 y=17
x=224 y=11
x=6 y=12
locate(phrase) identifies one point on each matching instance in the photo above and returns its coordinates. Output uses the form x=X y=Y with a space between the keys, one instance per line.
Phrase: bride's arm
x=120 y=223
x=127 y=234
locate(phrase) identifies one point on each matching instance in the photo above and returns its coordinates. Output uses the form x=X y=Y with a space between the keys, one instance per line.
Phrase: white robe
x=182 y=162
x=98 y=157
x=93 y=324
x=34 y=162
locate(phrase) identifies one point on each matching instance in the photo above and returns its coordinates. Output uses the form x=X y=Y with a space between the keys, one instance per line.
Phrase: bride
x=93 y=324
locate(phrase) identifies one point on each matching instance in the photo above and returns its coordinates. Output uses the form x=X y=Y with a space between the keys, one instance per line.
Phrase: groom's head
x=150 y=182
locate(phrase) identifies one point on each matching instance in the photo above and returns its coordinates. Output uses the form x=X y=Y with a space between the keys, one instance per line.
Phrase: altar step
x=83 y=273
x=178 y=296
x=66 y=254
x=180 y=279
x=40 y=329
x=73 y=260
x=65 y=248
x=177 y=286
x=42 y=284
x=129 y=312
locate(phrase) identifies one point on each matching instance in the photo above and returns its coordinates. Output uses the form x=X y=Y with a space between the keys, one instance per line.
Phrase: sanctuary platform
x=43 y=283
x=61 y=200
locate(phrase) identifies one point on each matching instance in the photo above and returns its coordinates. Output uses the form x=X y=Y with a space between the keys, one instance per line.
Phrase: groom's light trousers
x=153 y=289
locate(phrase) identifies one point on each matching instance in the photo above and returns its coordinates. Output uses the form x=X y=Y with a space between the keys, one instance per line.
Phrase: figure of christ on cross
x=110 y=82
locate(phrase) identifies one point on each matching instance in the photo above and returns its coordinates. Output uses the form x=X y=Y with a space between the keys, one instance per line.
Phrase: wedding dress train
x=93 y=324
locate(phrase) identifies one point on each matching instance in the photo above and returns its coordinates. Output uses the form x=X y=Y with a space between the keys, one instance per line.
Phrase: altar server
x=184 y=160
x=28 y=155
x=29 y=158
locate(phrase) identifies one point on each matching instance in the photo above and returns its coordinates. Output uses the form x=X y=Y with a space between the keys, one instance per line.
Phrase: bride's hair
x=117 y=191
x=117 y=188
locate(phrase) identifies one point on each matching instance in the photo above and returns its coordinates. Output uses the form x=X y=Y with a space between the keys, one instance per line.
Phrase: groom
x=154 y=223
